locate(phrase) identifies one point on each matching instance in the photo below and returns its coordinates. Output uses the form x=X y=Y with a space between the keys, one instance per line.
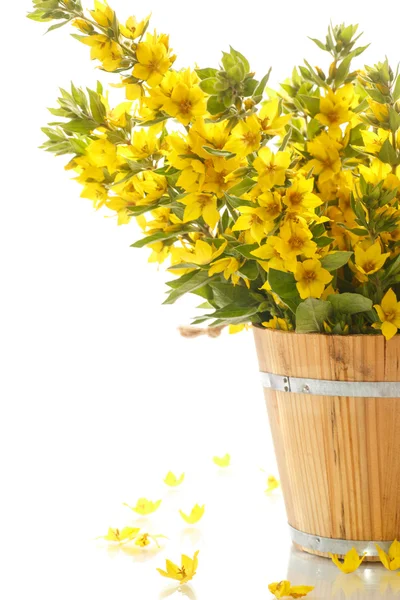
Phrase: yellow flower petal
x=195 y=515
x=172 y=480
x=223 y=461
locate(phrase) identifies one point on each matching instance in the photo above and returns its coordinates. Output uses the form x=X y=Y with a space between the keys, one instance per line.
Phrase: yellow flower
x=144 y=143
x=134 y=28
x=389 y=315
x=299 y=591
x=172 y=480
x=280 y=589
x=144 y=507
x=350 y=563
x=119 y=205
x=284 y=589
x=373 y=142
x=271 y=167
x=371 y=260
x=82 y=25
x=334 y=109
x=238 y=328
x=326 y=161
x=299 y=196
x=245 y=137
x=391 y=560
x=103 y=14
x=269 y=257
x=185 y=103
x=103 y=153
x=270 y=121
x=381 y=111
x=311 y=278
x=153 y=62
x=185 y=572
x=145 y=539
x=195 y=515
x=295 y=239
x=201 y=205
x=125 y=535
x=223 y=461
x=252 y=219
x=376 y=172
x=272 y=482
x=276 y=323
x=96 y=192
x=228 y=266
x=105 y=50
x=201 y=254
x=271 y=201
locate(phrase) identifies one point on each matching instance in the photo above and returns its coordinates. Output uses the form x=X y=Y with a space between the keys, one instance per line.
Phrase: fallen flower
x=144 y=507
x=391 y=560
x=145 y=539
x=125 y=535
x=172 y=480
x=284 y=589
x=350 y=563
x=195 y=515
x=223 y=461
x=272 y=484
x=185 y=572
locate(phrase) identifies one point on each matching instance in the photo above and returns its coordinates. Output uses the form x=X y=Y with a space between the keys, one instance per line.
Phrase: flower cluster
x=279 y=211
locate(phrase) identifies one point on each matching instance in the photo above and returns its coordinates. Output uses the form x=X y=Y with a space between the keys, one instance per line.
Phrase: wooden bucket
x=336 y=436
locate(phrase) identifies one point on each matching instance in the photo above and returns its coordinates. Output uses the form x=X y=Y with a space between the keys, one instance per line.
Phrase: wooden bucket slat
x=338 y=457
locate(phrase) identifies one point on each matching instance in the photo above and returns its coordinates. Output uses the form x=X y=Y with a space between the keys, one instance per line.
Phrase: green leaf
x=197 y=279
x=96 y=106
x=258 y=92
x=160 y=236
x=350 y=304
x=216 y=152
x=323 y=241
x=155 y=121
x=311 y=103
x=246 y=250
x=319 y=44
x=241 y=188
x=284 y=285
x=226 y=293
x=285 y=140
x=214 y=106
x=387 y=153
x=232 y=313
x=79 y=126
x=396 y=90
x=335 y=260
x=311 y=314
x=249 y=269
x=394 y=268
x=242 y=59
x=57 y=26
x=235 y=202
x=206 y=73
x=249 y=87
x=208 y=85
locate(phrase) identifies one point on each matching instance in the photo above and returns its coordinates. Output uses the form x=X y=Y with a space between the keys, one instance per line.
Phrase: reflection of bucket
x=335 y=432
x=369 y=582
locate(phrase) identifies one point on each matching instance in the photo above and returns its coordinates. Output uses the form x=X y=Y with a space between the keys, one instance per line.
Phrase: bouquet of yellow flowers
x=277 y=208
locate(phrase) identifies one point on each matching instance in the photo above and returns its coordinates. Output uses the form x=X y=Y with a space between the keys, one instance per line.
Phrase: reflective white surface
x=242 y=539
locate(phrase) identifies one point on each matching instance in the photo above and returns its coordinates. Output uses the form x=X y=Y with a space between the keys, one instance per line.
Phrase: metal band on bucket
x=318 y=543
x=327 y=387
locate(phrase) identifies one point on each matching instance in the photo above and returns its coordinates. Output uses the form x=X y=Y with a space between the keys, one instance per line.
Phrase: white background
x=100 y=396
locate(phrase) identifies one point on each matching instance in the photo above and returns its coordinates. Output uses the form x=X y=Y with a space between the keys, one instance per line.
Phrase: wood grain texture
x=338 y=457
